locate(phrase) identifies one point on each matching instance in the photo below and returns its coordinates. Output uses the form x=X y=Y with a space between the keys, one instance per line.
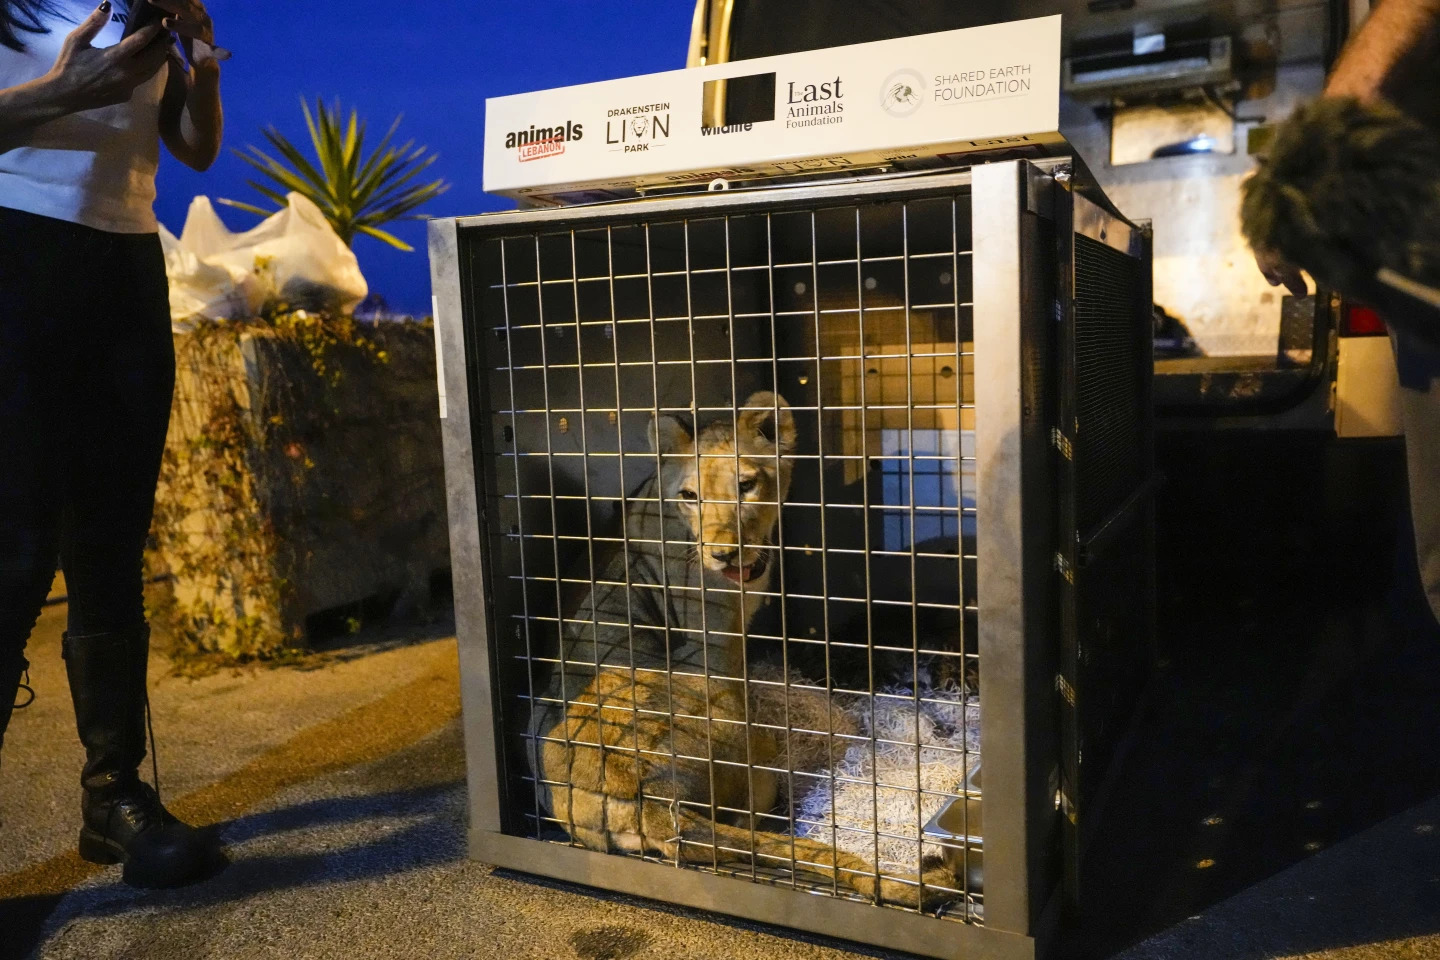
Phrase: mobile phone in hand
x=143 y=13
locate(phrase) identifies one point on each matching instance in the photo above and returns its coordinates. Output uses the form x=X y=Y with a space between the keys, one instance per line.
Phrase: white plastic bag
x=292 y=256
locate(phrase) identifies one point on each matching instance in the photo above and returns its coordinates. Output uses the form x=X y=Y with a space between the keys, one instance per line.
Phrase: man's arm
x=1398 y=36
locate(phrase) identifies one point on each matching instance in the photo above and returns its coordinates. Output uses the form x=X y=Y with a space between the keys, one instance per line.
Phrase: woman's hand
x=189 y=20
x=84 y=78
x=192 y=122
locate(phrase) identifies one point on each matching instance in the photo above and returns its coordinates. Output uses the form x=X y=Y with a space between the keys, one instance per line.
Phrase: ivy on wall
x=240 y=429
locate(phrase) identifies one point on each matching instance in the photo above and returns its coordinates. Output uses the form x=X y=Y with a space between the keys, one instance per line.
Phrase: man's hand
x=1276 y=270
x=84 y=78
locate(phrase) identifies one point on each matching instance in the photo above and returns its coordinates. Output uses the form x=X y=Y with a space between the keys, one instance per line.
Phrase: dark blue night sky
x=434 y=62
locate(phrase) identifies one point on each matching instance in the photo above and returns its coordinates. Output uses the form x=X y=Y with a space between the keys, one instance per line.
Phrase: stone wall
x=330 y=491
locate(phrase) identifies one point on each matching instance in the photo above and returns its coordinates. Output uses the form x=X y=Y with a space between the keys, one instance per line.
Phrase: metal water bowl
x=959 y=829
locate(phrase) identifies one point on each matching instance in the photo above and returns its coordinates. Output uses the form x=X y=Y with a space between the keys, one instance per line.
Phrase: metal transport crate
x=773 y=512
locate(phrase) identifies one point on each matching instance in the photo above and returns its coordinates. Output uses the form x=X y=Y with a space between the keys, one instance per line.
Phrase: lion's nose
x=725 y=554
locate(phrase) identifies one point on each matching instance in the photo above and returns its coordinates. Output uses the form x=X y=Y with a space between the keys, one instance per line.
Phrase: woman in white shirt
x=87 y=370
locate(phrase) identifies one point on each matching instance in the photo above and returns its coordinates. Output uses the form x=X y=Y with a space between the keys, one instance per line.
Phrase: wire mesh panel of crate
x=819 y=693
x=1107 y=605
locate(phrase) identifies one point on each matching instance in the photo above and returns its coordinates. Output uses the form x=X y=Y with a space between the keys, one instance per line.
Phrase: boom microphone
x=1350 y=192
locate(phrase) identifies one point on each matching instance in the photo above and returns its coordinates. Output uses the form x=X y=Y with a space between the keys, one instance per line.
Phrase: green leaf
x=247 y=207
x=354 y=140
x=297 y=159
x=379 y=154
x=395 y=185
x=277 y=172
x=383 y=176
x=279 y=198
x=389 y=238
x=329 y=150
x=395 y=196
x=403 y=205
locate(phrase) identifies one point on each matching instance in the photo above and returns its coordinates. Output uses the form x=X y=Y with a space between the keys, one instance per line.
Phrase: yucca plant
x=356 y=193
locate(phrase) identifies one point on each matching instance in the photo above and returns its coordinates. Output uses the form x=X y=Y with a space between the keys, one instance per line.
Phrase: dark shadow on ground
x=23 y=921
x=1298 y=704
x=421 y=786
x=433 y=832
x=377 y=635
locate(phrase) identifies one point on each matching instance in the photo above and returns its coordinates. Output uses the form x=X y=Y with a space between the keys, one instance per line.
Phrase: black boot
x=10 y=686
x=10 y=675
x=124 y=819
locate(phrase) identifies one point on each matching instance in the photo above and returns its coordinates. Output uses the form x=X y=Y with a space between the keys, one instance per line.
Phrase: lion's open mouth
x=746 y=573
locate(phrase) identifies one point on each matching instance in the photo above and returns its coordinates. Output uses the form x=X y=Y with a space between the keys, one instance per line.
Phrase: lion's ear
x=668 y=435
x=767 y=416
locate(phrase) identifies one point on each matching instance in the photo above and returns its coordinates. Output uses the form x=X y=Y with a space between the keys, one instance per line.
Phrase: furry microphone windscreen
x=1347 y=189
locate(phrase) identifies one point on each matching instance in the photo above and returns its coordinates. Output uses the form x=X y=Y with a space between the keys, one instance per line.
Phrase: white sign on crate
x=904 y=104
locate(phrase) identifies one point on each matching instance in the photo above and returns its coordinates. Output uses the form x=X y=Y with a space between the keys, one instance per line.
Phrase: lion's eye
x=746 y=486
x=687 y=494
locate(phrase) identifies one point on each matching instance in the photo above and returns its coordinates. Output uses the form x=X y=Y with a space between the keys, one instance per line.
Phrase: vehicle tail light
x=1361 y=321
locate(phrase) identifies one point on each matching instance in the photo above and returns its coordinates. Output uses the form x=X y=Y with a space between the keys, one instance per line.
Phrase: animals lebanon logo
x=902 y=93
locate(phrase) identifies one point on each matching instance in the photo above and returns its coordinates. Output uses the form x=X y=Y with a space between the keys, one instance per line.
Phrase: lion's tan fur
x=644 y=733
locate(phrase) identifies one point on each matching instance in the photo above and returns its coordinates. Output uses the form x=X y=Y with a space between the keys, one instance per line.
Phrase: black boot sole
x=95 y=848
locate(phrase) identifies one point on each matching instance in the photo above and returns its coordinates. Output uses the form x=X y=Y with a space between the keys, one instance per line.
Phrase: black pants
x=87 y=368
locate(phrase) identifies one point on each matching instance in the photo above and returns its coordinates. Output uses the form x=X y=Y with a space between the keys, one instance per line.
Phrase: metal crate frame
x=1024 y=216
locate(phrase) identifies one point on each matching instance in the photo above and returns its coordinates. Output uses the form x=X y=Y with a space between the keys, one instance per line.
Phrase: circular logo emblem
x=902 y=93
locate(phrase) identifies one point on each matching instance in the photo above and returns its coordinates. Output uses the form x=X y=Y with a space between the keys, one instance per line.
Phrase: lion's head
x=728 y=485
